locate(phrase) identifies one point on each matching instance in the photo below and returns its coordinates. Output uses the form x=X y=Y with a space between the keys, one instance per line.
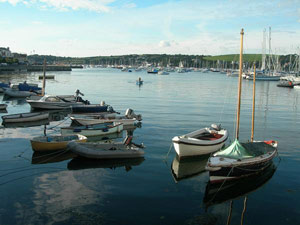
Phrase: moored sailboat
x=241 y=159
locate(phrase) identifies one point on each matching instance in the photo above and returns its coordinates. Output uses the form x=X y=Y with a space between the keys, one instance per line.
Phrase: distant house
x=22 y=58
x=5 y=52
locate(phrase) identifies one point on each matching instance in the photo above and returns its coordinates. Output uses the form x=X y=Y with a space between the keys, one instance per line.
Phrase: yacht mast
x=263 y=60
x=253 y=105
x=239 y=87
x=269 y=50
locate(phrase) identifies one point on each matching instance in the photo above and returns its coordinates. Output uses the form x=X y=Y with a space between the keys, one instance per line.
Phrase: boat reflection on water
x=3 y=111
x=230 y=190
x=51 y=157
x=14 y=100
x=188 y=167
x=83 y=163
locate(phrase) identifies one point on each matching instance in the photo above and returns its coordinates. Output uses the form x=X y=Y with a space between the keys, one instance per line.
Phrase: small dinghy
x=93 y=130
x=288 y=84
x=53 y=143
x=129 y=119
x=25 y=117
x=241 y=160
x=200 y=142
x=108 y=150
x=3 y=106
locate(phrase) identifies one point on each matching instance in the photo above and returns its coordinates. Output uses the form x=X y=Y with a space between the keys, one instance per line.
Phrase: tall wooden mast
x=44 y=78
x=239 y=88
x=253 y=104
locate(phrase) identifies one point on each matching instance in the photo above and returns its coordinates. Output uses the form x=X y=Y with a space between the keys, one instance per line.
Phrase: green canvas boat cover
x=239 y=150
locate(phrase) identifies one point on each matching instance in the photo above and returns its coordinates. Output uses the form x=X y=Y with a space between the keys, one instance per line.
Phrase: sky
x=82 y=28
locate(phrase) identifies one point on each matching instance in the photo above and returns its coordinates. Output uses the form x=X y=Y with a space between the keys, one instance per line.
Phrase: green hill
x=235 y=57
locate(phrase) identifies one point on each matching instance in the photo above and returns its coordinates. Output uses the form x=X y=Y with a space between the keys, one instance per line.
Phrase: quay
x=33 y=68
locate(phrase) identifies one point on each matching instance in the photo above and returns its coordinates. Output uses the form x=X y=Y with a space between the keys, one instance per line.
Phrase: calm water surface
x=158 y=190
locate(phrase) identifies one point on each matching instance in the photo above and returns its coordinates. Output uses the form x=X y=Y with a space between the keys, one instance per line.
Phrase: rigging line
x=31 y=175
x=168 y=152
x=5 y=174
x=53 y=157
x=50 y=154
x=59 y=123
x=228 y=92
x=221 y=185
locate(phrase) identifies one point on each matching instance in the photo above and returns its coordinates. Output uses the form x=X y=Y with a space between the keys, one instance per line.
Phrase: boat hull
x=3 y=106
x=89 y=108
x=93 y=132
x=44 y=145
x=200 y=142
x=25 y=117
x=57 y=105
x=105 y=151
x=187 y=150
x=90 y=121
x=223 y=168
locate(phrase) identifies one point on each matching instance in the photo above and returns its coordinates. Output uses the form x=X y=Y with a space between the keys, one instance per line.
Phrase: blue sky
x=116 y=27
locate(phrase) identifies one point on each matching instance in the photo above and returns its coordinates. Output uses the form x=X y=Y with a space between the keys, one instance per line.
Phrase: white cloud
x=63 y=5
x=13 y=2
x=164 y=44
x=130 y=5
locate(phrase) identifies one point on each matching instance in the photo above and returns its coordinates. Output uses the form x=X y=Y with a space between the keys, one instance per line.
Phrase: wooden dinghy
x=3 y=106
x=25 y=117
x=108 y=150
x=53 y=143
x=200 y=142
x=93 y=130
x=241 y=160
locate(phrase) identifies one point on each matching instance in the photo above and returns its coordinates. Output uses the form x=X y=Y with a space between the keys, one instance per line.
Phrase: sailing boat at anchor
x=241 y=159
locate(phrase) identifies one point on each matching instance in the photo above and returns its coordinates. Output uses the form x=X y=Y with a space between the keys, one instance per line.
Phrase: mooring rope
x=168 y=152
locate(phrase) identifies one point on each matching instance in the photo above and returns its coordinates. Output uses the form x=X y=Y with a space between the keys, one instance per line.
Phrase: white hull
x=49 y=105
x=189 y=145
x=88 y=121
x=264 y=78
x=184 y=150
x=92 y=132
x=25 y=117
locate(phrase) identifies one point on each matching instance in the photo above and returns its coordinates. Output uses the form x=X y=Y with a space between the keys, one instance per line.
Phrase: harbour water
x=157 y=190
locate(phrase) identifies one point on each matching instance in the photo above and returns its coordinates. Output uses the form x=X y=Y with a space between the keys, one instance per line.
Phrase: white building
x=5 y=52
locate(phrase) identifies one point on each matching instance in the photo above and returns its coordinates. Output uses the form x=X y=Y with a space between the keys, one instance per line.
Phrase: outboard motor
x=110 y=109
x=216 y=127
x=102 y=103
x=130 y=115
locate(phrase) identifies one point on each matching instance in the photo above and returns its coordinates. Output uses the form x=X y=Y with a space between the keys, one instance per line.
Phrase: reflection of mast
x=230 y=212
x=244 y=210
